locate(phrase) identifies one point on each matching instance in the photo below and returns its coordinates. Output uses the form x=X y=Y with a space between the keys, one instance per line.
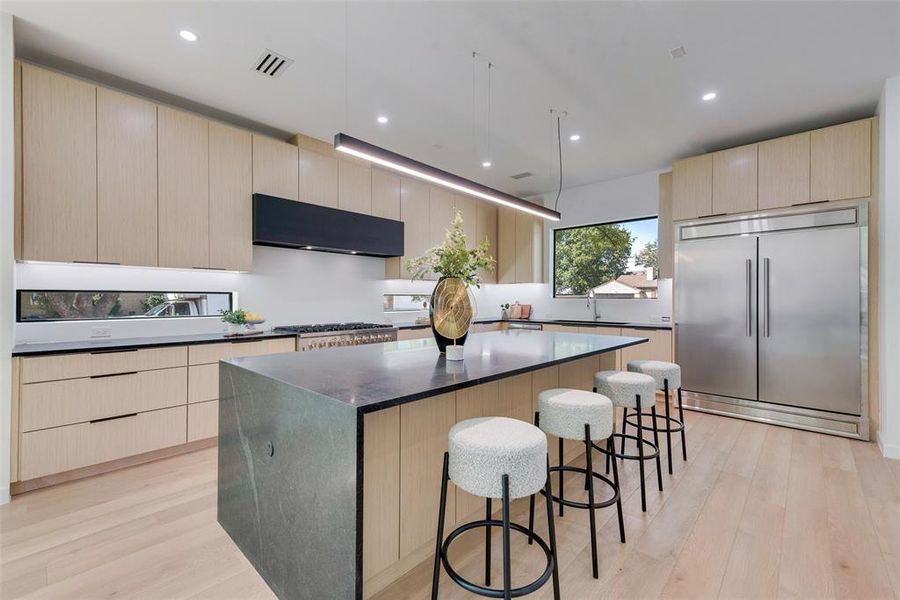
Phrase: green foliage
x=78 y=305
x=453 y=258
x=152 y=300
x=648 y=256
x=590 y=256
x=237 y=316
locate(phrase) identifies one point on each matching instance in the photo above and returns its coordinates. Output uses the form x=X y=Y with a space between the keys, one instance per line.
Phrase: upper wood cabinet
x=734 y=180
x=664 y=227
x=126 y=179
x=440 y=214
x=354 y=187
x=468 y=209
x=59 y=167
x=841 y=161
x=276 y=168
x=183 y=189
x=386 y=204
x=692 y=187
x=486 y=229
x=230 y=188
x=506 y=245
x=784 y=171
x=529 y=248
x=414 y=210
x=318 y=179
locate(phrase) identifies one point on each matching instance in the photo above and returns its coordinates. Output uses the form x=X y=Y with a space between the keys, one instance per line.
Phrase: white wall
x=889 y=269
x=7 y=220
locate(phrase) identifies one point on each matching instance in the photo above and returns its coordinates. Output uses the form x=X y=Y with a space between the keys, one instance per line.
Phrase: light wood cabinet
x=202 y=420
x=506 y=245
x=468 y=209
x=381 y=490
x=318 y=179
x=841 y=161
x=276 y=168
x=354 y=187
x=440 y=214
x=17 y=158
x=486 y=229
x=784 y=171
x=230 y=205
x=126 y=179
x=59 y=167
x=659 y=346
x=414 y=334
x=414 y=210
x=529 y=248
x=665 y=233
x=692 y=187
x=183 y=189
x=734 y=180
x=386 y=204
x=200 y=354
x=100 y=363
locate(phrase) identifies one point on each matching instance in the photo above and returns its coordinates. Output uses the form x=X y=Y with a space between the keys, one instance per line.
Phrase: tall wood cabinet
x=841 y=161
x=354 y=186
x=414 y=211
x=692 y=187
x=784 y=171
x=520 y=247
x=230 y=189
x=276 y=168
x=734 y=180
x=318 y=179
x=486 y=229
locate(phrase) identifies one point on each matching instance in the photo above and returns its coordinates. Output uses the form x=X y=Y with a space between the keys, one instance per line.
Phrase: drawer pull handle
x=113 y=418
x=113 y=374
x=114 y=351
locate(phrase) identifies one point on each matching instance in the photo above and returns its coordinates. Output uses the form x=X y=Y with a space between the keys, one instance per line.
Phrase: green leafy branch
x=453 y=258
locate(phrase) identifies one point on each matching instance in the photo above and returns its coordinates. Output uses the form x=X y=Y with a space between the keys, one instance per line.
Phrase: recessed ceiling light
x=188 y=35
x=382 y=119
x=574 y=137
x=708 y=96
x=486 y=164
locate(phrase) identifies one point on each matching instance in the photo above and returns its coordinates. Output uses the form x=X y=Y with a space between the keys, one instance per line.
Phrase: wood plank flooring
x=757 y=512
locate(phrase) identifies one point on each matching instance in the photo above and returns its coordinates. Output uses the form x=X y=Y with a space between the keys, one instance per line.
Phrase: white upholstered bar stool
x=496 y=457
x=668 y=377
x=631 y=391
x=571 y=414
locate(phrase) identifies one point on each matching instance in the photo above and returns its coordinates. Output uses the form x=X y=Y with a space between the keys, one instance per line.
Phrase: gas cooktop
x=330 y=328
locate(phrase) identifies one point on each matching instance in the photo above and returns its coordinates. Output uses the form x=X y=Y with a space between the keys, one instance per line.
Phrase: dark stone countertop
x=572 y=322
x=37 y=349
x=376 y=376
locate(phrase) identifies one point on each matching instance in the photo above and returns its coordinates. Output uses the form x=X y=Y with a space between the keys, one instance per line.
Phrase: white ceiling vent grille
x=522 y=175
x=271 y=64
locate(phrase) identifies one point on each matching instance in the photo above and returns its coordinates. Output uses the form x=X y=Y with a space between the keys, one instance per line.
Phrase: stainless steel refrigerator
x=771 y=316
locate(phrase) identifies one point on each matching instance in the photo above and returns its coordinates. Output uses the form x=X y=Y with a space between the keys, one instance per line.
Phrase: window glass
x=71 y=305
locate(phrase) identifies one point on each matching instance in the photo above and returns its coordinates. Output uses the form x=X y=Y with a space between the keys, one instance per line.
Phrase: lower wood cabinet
x=202 y=420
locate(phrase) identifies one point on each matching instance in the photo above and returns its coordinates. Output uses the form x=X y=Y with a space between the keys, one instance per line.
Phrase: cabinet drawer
x=202 y=420
x=101 y=362
x=55 y=403
x=212 y=353
x=203 y=382
x=74 y=446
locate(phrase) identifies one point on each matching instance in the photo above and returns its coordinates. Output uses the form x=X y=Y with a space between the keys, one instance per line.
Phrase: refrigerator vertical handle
x=749 y=264
x=765 y=311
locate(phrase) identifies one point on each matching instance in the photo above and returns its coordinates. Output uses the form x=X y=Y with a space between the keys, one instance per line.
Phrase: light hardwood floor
x=757 y=512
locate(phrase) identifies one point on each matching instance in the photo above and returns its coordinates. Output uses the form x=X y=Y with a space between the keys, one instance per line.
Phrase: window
x=614 y=260
x=71 y=305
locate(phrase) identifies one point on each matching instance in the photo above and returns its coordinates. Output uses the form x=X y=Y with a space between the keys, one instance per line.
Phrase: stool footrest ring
x=595 y=475
x=673 y=425
x=654 y=451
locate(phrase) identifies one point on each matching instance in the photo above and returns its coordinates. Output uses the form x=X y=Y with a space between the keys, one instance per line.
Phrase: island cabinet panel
x=202 y=420
x=486 y=229
x=183 y=189
x=230 y=204
x=318 y=179
x=692 y=187
x=546 y=379
x=506 y=245
x=414 y=210
x=609 y=361
x=424 y=426
x=841 y=161
x=126 y=179
x=354 y=187
x=784 y=171
x=577 y=374
x=381 y=491
x=59 y=167
x=276 y=168
x=734 y=180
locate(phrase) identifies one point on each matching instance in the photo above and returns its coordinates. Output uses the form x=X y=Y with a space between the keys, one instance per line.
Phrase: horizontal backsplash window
x=83 y=305
x=406 y=302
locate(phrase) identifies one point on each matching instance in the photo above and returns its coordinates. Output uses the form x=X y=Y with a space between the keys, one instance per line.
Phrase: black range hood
x=286 y=223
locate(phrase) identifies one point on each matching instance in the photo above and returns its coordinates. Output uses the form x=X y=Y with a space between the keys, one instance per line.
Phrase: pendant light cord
x=490 y=68
x=559 y=147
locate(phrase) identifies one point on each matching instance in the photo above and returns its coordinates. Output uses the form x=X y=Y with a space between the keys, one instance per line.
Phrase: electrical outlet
x=101 y=331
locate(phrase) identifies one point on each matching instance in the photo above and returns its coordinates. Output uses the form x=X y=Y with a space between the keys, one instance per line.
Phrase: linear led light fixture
x=414 y=168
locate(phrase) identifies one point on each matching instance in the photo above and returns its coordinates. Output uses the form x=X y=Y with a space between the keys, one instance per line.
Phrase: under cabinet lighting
x=386 y=158
x=188 y=35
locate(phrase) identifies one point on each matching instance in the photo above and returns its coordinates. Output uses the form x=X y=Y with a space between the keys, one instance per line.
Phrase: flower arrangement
x=453 y=258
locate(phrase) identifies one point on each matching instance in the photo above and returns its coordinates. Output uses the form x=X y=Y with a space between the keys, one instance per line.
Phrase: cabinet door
x=692 y=187
x=230 y=203
x=318 y=179
x=276 y=168
x=664 y=228
x=441 y=211
x=467 y=207
x=486 y=229
x=506 y=245
x=784 y=171
x=386 y=204
x=841 y=161
x=414 y=207
x=529 y=248
x=734 y=180
x=183 y=189
x=354 y=187
x=59 y=167
x=126 y=179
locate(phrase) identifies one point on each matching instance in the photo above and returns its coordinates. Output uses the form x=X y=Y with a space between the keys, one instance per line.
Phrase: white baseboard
x=888 y=450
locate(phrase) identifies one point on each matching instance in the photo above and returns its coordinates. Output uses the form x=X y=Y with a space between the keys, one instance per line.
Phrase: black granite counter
x=571 y=322
x=376 y=376
x=37 y=349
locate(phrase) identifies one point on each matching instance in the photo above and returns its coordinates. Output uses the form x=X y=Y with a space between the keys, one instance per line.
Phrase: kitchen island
x=330 y=462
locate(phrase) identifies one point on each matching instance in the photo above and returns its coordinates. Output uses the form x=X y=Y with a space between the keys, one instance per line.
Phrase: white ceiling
x=778 y=67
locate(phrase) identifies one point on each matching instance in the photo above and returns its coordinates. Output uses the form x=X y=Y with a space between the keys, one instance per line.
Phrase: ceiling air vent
x=522 y=175
x=272 y=64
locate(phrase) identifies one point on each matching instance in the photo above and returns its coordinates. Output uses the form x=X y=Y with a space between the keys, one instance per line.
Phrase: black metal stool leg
x=668 y=426
x=531 y=518
x=640 y=445
x=656 y=443
x=611 y=448
x=436 y=575
x=507 y=575
x=590 y=489
x=548 y=495
x=487 y=542
x=681 y=418
x=624 y=425
x=562 y=475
